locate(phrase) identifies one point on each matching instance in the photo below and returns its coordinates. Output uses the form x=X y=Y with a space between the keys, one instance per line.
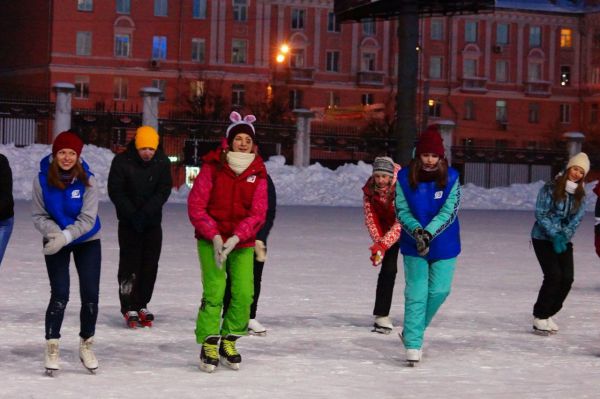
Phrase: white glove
x=260 y=251
x=55 y=242
x=228 y=247
x=217 y=248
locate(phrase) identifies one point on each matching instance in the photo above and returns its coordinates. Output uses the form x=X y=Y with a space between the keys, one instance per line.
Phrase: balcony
x=474 y=84
x=370 y=78
x=300 y=76
x=538 y=88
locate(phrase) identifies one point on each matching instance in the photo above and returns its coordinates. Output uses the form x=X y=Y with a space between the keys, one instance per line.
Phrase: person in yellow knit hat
x=139 y=184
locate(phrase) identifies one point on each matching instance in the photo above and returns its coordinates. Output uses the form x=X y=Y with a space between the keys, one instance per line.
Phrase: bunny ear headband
x=239 y=125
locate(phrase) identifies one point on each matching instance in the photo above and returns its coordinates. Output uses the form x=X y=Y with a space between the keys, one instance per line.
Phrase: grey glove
x=217 y=248
x=55 y=242
x=228 y=247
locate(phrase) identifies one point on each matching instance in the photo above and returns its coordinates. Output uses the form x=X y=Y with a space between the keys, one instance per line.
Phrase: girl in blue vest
x=559 y=208
x=65 y=211
x=427 y=201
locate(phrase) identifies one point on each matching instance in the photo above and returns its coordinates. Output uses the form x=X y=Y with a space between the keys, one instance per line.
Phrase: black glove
x=422 y=239
x=138 y=221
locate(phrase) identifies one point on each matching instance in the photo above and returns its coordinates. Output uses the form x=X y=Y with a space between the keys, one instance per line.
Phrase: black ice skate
x=209 y=357
x=229 y=355
x=146 y=317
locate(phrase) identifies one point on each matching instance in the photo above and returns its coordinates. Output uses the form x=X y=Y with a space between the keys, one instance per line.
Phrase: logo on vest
x=438 y=194
x=75 y=194
x=251 y=179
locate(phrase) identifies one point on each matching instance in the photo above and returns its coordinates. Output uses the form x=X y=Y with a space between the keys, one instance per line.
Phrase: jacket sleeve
x=89 y=211
x=198 y=198
x=543 y=207
x=41 y=218
x=163 y=190
x=6 y=184
x=271 y=211
x=117 y=188
x=391 y=236
x=371 y=220
x=447 y=213
x=249 y=226
x=403 y=213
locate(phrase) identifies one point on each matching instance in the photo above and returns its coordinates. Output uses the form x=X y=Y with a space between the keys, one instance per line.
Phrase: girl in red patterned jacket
x=384 y=229
x=227 y=206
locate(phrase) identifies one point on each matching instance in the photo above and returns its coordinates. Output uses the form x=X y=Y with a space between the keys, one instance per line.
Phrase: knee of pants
x=90 y=307
x=58 y=305
x=439 y=293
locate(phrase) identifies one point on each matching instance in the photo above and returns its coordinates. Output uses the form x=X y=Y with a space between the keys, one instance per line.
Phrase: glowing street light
x=284 y=49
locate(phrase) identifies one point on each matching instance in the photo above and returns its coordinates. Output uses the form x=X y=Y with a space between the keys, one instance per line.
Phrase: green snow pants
x=239 y=266
x=427 y=287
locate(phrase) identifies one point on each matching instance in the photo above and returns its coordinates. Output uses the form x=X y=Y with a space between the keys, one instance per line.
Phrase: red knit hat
x=430 y=141
x=67 y=140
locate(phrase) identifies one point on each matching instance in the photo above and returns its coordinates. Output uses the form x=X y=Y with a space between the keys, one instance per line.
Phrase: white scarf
x=570 y=187
x=239 y=161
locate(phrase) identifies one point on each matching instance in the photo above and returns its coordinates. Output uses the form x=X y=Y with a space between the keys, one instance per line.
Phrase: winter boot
x=51 y=359
x=552 y=326
x=209 y=357
x=255 y=328
x=541 y=327
x=146 y=317
x=86 y=355
x=413 y=356
x=383 y=325
x=132 y=318
x=230 y=357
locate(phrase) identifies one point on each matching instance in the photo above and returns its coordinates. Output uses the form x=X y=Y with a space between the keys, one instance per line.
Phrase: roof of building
x=554 y=6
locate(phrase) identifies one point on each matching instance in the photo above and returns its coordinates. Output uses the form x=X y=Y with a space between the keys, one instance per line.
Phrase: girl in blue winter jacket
x=558 y=211
x=427 y=201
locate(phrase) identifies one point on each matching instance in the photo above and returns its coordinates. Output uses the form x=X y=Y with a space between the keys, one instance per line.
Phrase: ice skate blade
x=411 y=363
x=381 y=330
x=147 y=323
x=258 y=333
x=50 y=372
x=232 y=366
x=542 y=333
x=207 y=368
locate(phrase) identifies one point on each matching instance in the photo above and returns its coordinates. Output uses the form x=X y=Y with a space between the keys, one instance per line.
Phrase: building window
x=565 y=113
x=295 y=100
x=199 y=9
x=123 y=6
x=333 y=100
x=534 y=71
x=594 y=113
x=368 y=26
x=298 y=18
x=120 y=88
x=501 y=71
x=437 y=29
x=122 y=45
x=237 y=95
x=470 y=31
x=501 y=111
x=469 y=110
x=434 y=108
x=534 y=113
x=469 y=68
x=197 y=89
x=435 y=67
x=82 y=87
x=535 y=36
x=368 y=61
x=161 y=8
x=333 y=61
x=198 y=50
x=297 y=58
x=332 y=23
x=85 y=5
x=595 y=75
x=84 y=43
x=502 y=34
x=565 y=75
x=161 y=85
x=238 y=51
x=159 y=48
x=240 y=10
x=566 y=38
x=367 y=99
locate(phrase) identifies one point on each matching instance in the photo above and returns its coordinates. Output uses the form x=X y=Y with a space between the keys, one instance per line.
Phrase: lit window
x=84 y=43
x=159 y=48
x=122 y=45
x=501 y=111
x=199 y=9
x=566 y=38
x=238 y=51
x=297 y=58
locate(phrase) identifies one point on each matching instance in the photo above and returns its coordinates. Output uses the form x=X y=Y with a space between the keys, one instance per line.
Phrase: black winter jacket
x=139 y=189
x=7 y=204
x=263 y=233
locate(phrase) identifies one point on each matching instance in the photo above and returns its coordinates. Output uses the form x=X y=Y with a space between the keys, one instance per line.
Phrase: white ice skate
x=255 y=328
x=413 y=356
x=541 y=327
x=552 y=325
x=382 y=325
x=51 y=359
x=86 y=355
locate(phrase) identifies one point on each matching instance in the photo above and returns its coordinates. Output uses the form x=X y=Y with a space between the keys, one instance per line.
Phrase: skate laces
x=229 y=347
x=211 y=350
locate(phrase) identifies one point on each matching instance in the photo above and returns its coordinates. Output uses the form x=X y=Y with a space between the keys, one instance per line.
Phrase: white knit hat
x=580 y=160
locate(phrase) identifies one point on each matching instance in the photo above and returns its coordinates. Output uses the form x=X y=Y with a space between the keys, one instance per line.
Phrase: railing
x=301 y=75
x=538 y=88
x=370 y=78
x=508 y=155
x=474 y=84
